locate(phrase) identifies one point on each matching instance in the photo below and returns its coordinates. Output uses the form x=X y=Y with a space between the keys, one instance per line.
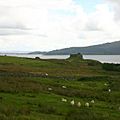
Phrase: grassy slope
x=24 y=91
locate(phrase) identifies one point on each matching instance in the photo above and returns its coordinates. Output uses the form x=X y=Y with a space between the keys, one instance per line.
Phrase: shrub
x=93 y=78
x=93 y=63
x=111 y=67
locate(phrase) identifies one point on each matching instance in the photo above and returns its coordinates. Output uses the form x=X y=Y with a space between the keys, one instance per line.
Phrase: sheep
x=87 y=104
x=109 y=90
x=64 y=87
x=64 y=100
x=46 y=74
x=72 y=102
x=105 y=84
x=79 y=104
x=119 y=108
x=92 y=101
x=50 y=89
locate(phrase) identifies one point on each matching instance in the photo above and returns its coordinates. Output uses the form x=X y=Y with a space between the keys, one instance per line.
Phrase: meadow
x=33 y=89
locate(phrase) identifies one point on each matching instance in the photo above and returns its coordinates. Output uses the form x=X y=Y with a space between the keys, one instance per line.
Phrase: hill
x=37 y=52
x=101 y=49
x=37 y=89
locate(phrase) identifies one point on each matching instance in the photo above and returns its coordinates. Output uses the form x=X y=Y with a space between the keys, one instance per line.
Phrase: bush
x=93 y=78
x=93 y=63
x=111 y=67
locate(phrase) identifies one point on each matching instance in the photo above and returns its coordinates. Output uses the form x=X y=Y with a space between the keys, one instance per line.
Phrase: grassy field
x=32 y=89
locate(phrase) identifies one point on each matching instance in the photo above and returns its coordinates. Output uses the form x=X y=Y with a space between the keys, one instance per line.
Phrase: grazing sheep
x=50 y=89
x=119 y=108
x=105 y=84
x=64 y=100
x=87 y=104
x=109 y=90
x=72 y=102
x=46 y=74
x=79 y=104
x=64 y=87
x=92 y=101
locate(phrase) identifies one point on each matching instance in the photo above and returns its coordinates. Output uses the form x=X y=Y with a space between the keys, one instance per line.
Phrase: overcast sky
x=42 y=25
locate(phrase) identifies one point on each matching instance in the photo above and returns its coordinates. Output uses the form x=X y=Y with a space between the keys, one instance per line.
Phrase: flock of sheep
x=78 y=103
x=87 y=104
x=72 y=102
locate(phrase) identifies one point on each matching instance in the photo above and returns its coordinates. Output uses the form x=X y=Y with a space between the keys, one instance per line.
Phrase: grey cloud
x=115 y=1
x=12 y=28
x=8 y=19
x=13 y=31
x=92 y=26
x=116 y=8
x=6 y=32
x=12 y=25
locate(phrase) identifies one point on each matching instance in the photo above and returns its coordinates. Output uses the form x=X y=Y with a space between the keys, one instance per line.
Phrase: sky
x=44 y=25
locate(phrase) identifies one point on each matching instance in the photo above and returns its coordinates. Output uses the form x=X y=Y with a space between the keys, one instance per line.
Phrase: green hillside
x=35 y=89
x=101 y=49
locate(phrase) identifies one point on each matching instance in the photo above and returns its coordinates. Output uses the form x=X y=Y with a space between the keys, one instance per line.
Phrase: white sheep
x=87 y=104
x=64 y=87
x=79 y=104
x=50 y=89
x=64 y=100
x=72 y=102
x=109 y=90
x=119 y=108
x=46 y=74
x=105 y=84
x=92 y=101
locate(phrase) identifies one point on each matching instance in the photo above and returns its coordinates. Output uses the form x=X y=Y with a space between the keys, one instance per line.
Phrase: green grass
x=24 y=93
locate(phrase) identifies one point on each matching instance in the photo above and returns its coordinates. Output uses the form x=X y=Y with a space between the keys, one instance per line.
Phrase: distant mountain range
x=37 y=52
x=112 y=48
